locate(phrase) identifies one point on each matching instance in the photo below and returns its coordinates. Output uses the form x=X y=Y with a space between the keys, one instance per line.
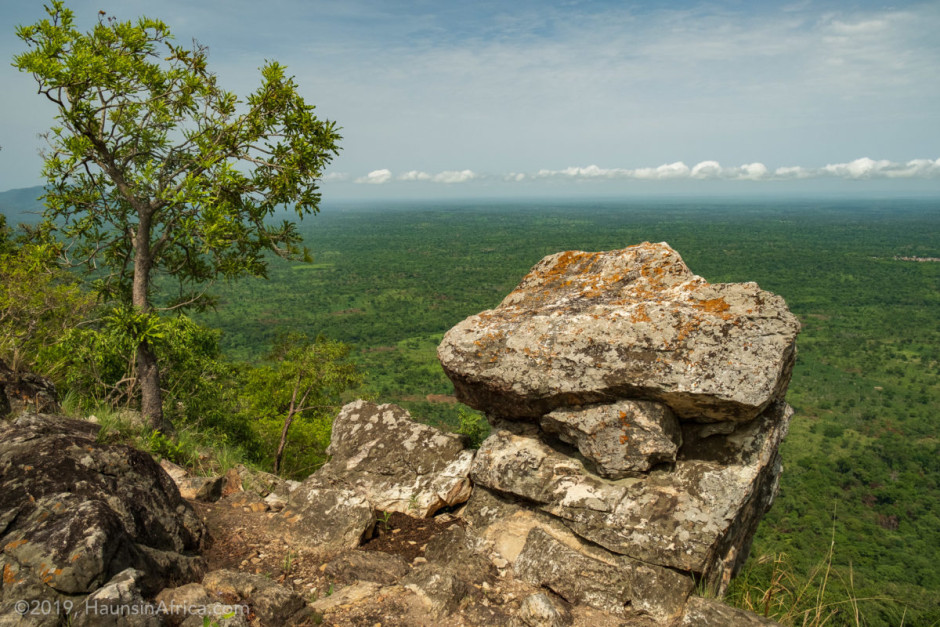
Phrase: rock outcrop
x=634 y=323
x=381 y=461
x=76 y=514
x=637 y=412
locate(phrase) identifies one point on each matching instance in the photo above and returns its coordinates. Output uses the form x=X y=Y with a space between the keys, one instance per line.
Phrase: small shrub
x=473 y=426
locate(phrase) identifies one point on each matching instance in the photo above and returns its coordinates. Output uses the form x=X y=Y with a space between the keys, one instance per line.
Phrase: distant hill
x=21 y=205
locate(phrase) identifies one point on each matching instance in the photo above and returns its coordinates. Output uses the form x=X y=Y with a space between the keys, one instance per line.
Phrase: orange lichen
x=714 y=305
x=623 y=439
x=12 y=545
x=9 y=575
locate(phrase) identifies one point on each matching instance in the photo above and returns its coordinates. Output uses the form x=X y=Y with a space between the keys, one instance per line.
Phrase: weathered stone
x=352 y=566
x=327 y=517
x=274 y=604
x=76 y=513
x=695 y=518
x=615 y=584
x=438 y=587
x=118 y=603
x=700 y=611
x=622 y=438
x=634 y=323
x=540 y=610
x=262 y=483
x=398 y=465
x=193 y=488
x=350 y=595
x=25 y=392
x=189 y=605
x=180 y=602
x=460 y=552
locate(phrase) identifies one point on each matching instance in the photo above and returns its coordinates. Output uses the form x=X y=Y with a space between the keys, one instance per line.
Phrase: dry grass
x=825 y=596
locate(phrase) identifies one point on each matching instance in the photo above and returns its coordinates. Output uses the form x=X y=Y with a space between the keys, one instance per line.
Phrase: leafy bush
x=473 y=426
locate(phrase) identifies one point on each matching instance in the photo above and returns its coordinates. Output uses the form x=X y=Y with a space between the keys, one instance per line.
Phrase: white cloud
x=336 y=176
x=675 y=170
x=447 y=176
x=864 y=168
x=752 y=172
x=414 y=175
x=792 y=172
x=706 y=170
x=454 y=176
x=376 y=177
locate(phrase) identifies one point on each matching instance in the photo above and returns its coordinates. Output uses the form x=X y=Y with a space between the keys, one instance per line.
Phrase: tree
x=153 y=169
x=39 y=302
x=304 y=382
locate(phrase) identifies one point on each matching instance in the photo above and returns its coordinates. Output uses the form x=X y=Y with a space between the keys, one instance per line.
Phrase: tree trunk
x=151 y=401
x=283 y=443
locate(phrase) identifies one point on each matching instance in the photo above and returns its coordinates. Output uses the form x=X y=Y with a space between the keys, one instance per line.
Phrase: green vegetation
x=301 y=382
x=862 y=462
x=154 y=171
x=856 y=527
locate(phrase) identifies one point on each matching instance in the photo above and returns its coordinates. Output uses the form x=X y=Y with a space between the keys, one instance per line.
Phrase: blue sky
x=570 y=98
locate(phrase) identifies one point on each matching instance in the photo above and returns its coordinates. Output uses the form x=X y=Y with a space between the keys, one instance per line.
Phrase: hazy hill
x=21 y=205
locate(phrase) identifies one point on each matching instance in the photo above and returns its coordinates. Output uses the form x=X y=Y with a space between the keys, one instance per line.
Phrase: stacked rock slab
x=637 y=413
x=381 y=460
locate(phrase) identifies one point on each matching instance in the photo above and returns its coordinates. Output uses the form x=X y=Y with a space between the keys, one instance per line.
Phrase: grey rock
x=350 y=595
x=398 y=465
x=207 y=489
x=189 y=605
x=540 y=610
x=25 y=392
x=119 y=603
x=327 y=517
x=701 y=611
x=262 y=483
x=460 y=552
x=698 y=518
x=614 y=584
x=438 y=587
x=634 y=323
x=76 y=513
x=621 y=439
x=274 y=604
x=352 y=566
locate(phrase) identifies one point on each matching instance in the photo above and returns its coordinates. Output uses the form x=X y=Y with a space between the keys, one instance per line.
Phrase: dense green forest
x=861 y=461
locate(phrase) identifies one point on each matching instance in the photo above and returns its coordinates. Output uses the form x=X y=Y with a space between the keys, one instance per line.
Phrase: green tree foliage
x=38 y=301
x=300 y=388
x=154 y=169
x=95 y=363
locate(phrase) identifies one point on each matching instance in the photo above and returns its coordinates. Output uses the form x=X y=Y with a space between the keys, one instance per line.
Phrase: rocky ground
x=637 y=413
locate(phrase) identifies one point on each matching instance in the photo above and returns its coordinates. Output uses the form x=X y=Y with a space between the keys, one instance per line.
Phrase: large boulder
x=396 y=464
x=75 y=513
x=634 y=323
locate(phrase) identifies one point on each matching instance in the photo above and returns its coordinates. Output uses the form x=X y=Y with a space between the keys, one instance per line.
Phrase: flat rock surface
x=634 y=323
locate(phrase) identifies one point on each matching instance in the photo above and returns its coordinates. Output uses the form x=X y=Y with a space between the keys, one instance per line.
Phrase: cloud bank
x=859 y=169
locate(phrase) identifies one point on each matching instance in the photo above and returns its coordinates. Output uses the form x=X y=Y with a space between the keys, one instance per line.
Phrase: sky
x=449 y=98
